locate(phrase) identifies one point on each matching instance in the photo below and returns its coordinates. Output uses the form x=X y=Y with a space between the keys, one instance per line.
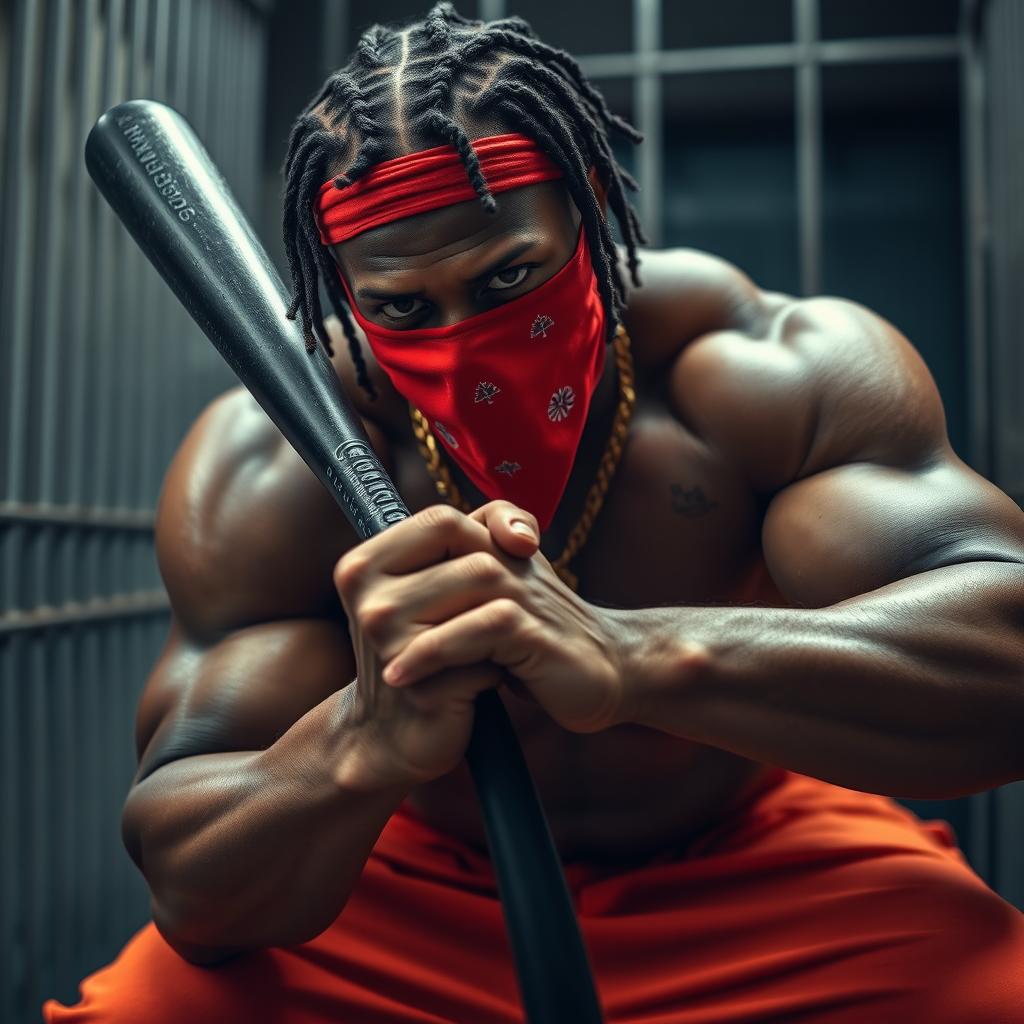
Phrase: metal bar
x=491 y=10
x=808 y=146
x=131 y=324
x=109 y=265
x=50 y=301
x=78 y=260
x=12 y=953
x=90 y=841
x=125 y=700
x=104 y=753
x=901 y=49
x=258 y=54
x=245 y=100
x=233 y=97
x=76 y=515
x=5 y=64
x=94 y=610
x=1004 y=34
x=199 y=113
x=648 y=117
x=81 y=258
x=250 y=86
x=79 y=756
x=174 y=332
x=17 y=241
x=66 y=800
x=43 y=371
x=756 y=56
x=36 y=834
x=201 y=106
x=334 y=23
x=976 y=240
x=101 y=338
x=151 y=339
x=213 y=94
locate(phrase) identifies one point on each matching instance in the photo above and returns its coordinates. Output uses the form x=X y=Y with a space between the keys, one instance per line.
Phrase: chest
x=678 y=524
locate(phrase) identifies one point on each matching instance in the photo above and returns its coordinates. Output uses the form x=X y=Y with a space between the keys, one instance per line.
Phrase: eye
x=402 y=309
x=509 y=277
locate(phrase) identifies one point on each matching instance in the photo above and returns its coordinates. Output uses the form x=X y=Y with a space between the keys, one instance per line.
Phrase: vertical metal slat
x=808 y=145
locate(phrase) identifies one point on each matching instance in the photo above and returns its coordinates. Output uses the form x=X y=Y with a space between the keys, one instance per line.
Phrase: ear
x=600 y=189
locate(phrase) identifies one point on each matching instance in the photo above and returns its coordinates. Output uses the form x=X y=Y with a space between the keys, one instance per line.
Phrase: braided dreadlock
x=426 y=84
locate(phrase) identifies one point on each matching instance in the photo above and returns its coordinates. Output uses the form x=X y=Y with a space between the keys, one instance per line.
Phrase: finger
x=433 y=535
x=440 y=592
x=490 y=632
x=436 y=692
x=514 y=529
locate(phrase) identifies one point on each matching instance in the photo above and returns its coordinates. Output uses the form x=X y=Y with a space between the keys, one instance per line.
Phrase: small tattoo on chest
x=690 y=502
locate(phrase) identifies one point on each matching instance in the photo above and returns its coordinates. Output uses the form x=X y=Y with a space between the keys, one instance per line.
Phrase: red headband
x=424 y=181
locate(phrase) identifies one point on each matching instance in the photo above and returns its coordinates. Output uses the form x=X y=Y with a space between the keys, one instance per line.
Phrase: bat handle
x=555 y=978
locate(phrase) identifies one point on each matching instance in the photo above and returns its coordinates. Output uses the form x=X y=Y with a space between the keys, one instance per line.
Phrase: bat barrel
x=153 y=170
x=165 y=187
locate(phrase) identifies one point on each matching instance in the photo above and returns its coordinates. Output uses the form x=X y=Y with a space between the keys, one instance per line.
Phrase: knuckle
x=376 y=619
x=350 y=571
x=441 y=517
x=483 y=567
x=504 y=613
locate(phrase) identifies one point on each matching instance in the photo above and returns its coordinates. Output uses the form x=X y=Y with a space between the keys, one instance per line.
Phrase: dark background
x=871 y=149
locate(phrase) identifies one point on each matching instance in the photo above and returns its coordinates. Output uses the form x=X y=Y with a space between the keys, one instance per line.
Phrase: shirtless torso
x=247 y=541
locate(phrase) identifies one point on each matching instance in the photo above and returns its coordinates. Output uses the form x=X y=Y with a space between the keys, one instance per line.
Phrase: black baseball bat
x=151 y=167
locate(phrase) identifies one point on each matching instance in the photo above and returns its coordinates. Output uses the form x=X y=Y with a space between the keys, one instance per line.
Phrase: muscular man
x=793 y=603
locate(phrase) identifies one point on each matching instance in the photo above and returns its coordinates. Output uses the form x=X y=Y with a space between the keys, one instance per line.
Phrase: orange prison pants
x=811 y=902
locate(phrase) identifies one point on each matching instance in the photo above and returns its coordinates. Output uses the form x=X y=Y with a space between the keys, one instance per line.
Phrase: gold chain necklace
x=447 y=488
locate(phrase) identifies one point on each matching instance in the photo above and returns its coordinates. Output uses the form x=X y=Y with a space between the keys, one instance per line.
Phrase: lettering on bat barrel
x=155 y=167
x=363 y=472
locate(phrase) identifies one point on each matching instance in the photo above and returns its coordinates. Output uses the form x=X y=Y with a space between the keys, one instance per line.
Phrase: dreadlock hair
x=425 y=84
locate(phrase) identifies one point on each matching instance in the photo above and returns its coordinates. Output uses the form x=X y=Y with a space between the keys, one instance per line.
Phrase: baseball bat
x=151 y=167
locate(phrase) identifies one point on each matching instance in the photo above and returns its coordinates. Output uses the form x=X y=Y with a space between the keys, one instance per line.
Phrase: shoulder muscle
x=822 y=382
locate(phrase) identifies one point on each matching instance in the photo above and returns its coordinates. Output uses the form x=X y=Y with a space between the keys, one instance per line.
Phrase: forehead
x=544 y=207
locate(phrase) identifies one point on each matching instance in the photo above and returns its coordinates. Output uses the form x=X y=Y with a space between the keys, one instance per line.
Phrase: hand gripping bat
x=153 y=170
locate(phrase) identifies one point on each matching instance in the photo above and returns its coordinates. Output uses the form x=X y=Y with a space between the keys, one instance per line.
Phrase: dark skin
x=792 y=568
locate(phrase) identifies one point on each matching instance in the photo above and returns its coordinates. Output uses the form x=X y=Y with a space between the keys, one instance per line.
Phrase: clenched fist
x=444 y=605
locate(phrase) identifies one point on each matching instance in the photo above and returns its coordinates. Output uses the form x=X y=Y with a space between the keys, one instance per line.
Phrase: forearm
x=258 y=848
x=912 y=690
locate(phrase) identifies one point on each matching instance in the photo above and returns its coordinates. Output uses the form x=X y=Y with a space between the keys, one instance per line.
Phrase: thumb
x=512 y=528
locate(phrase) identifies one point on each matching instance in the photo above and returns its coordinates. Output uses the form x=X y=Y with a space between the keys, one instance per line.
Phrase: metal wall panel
x=101 y=374
x=1002 y=26
x=1004 y=55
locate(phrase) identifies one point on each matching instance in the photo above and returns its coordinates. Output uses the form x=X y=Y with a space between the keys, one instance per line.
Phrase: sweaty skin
x=728 y=415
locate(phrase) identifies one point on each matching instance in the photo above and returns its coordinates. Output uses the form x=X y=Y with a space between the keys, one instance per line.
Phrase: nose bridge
x=455 y=313
x=455 y=297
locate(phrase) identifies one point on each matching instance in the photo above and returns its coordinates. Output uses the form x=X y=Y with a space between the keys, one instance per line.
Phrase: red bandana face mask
x=507 y=391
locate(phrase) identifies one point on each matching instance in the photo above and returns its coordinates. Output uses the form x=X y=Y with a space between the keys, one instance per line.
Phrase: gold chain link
x=447 y=488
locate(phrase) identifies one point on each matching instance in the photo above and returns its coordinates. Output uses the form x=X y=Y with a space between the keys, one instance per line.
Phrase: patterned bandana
x=506 y=391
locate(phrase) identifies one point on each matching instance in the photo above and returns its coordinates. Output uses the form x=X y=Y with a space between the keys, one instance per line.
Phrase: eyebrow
x=514 y=253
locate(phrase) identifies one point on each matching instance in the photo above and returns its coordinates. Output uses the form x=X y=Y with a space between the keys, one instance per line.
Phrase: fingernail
x=523 y=529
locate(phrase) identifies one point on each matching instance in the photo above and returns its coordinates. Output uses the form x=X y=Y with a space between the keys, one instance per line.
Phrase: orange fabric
x=810 y=903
